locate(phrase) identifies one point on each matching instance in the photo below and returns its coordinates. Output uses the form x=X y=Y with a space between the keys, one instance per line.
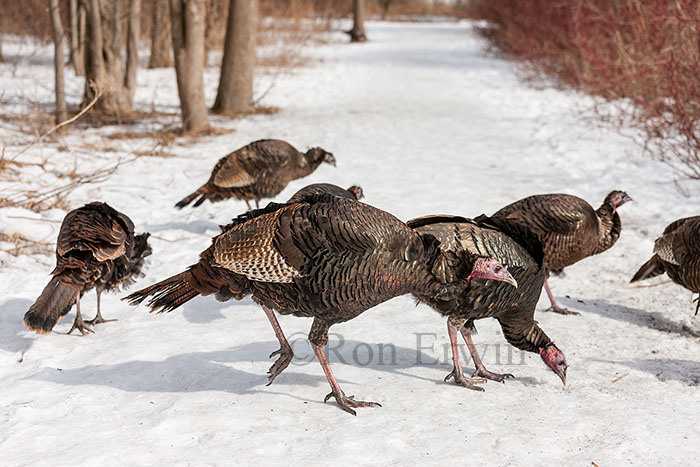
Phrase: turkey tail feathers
x=53 y=304
x=168 y=294
x=652 y=268
x=188 y=199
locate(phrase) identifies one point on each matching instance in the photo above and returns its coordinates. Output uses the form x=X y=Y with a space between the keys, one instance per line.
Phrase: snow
x=426 y=123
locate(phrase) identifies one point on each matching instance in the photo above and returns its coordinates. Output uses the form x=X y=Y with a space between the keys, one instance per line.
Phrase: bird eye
x=497 y=269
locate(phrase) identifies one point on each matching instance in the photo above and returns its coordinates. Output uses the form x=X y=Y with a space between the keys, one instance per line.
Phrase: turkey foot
x=98 y=317
x=285 y=351
x=480 y=368
x=457 y=372
x=556 y=308
x=79 y=324
x=562 y=311
x=347 y=403
x=286 y=354
x=469 y=383
x=484 y=373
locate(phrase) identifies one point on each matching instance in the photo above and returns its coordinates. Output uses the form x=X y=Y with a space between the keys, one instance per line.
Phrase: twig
x=34 y=219
x=98 y=94
x=639 y=286
x=619 y=378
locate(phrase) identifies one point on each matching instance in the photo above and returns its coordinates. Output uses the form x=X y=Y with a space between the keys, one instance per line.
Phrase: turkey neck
x=524 y=333
x=305 y=167
x=609 y=227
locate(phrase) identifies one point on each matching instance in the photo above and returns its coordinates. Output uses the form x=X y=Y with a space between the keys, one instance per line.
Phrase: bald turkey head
x=554 y=358
x=356 y=191
x=617 y=198
x=319 y=155
x=486 y=267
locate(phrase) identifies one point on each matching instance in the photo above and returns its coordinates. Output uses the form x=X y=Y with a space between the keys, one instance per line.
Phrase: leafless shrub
x=646 y=54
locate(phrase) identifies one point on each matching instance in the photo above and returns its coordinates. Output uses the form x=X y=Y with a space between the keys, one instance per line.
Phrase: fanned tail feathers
x=53 y=304
x=652 y=268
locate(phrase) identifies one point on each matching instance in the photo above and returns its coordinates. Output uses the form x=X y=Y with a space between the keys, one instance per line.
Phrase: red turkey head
x=617 y=198
x=356 y=192
x=554 y=358
x=488 y=268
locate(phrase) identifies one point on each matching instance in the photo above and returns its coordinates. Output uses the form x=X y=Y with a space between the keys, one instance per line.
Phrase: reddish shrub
x=647 y=52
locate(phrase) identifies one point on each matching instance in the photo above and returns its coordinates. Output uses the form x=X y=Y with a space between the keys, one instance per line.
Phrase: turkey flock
x=324 y=254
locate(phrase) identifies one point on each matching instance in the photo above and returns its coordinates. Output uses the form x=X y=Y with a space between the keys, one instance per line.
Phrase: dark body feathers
x=354 y=192
x=677 y=253
x=261 y=169
x=96 y=248
x=570 y=229
x=327 y=257
x=515 y=247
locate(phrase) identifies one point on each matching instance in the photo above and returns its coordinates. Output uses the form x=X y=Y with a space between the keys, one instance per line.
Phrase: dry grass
x=22 y=245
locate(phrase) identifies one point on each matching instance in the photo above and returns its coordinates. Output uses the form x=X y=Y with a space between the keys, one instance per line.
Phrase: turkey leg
x=98 y=317
x=285 y=351
x=480 y=368
x=457 y=372
x=556 y=308
x=78 y=323
x=346 y=403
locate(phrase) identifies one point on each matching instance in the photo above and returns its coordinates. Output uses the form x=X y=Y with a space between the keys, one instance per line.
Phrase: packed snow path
x=426 y=123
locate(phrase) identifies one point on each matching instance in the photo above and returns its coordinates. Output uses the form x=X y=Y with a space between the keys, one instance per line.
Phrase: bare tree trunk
x=235 y=93
x=385 y=8
x=357 y=33
x=132 y=48
x=76 y=40
x=210 y=28
x=160 y=36
x=104 y=64
x=1 y=59
x=61 y=112
x=187 y=18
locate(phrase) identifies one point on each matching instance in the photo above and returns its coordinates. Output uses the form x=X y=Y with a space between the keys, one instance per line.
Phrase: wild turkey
x=520 y=251
x=677 y=253
x=96 y=248
x=570 y=229
x=324 y=257
x=354 y=192
x=259 y=170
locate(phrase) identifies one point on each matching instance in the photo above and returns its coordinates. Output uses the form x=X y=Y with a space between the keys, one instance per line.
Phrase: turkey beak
x=510 y=279
x=328 y=158
x=562 y=375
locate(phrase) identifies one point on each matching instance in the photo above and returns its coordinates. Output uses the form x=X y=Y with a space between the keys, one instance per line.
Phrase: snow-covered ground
x=426 y=123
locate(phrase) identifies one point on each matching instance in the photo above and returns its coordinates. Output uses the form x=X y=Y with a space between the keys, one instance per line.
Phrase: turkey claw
x=484 y=373
x=348 y=402
x=469 y=383
x=562 y=311
x=80 y=326
x=281 y=364
x=98 y=320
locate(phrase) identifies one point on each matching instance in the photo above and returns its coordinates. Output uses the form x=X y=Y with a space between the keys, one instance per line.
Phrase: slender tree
x=235 y=94
x=187 y=18
x=357 y=33
x=160 y=36
x=103 y=63
x=57 y=26
x=1 y=59
x=76 y=20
